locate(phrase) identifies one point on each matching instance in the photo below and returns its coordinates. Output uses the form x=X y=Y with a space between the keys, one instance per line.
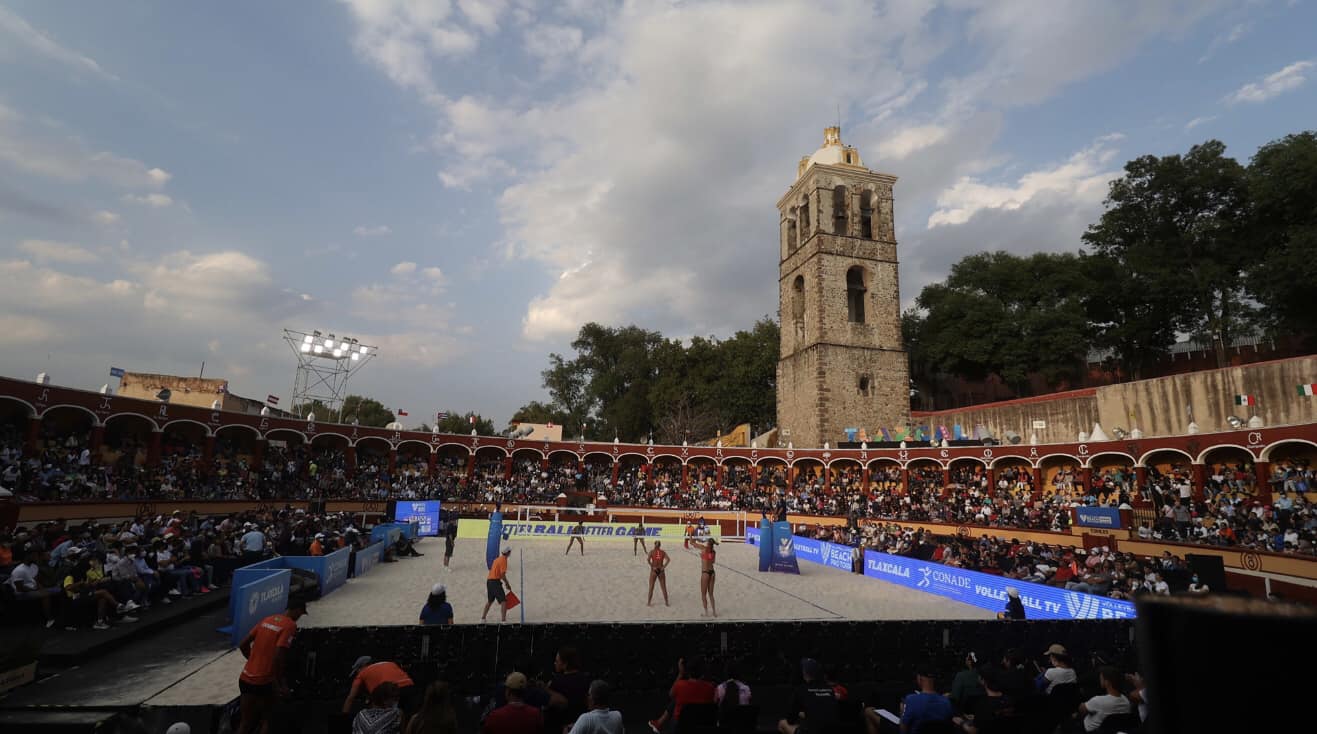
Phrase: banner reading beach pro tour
x=989 y=592
x=1097 y=517
x=424 y=514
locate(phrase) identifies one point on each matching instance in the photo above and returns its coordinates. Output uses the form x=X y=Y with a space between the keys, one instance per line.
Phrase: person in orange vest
x=262 y=678
x=367 y=675
x=317 y=545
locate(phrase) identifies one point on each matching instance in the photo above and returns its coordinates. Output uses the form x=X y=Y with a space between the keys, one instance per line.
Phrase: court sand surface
x=608 y=584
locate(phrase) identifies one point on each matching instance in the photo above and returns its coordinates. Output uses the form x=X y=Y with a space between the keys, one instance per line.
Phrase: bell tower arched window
x=839 y=196
x=855 y=295
x=792 y=236
x=804 y=220
x=798 y=299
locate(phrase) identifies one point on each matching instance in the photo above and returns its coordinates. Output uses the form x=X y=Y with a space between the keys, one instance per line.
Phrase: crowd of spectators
x=1232 y=510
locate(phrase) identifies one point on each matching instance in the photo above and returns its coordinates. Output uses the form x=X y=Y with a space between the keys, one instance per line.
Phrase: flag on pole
x=441 y=415
x=116 y=372
x=401 y=413
x=272 y=399
x=1308 y=390
x=1246 y=400
x=473 y=419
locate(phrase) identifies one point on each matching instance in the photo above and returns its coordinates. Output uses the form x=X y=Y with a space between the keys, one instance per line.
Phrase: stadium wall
x=1158 y=407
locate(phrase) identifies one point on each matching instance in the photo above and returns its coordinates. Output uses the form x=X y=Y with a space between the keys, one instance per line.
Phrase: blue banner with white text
x=256 y=594
x=1097 y=517
x=756 y=535
x=424 y=514
x=783 y=549
x=495 y=536
x=989 y=592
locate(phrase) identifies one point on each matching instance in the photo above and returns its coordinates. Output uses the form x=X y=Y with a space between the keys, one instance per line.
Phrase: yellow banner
x=593 y=530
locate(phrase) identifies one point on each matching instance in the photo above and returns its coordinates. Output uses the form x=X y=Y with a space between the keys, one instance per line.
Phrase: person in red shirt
x=690 y=687
x=369 y=675
x=262 y=678
x=516 y=716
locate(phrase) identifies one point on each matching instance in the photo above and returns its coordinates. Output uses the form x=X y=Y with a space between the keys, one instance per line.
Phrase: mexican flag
x=1245 y=400
x=1308 y=390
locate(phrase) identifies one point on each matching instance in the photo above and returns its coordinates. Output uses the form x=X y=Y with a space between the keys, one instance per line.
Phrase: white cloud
x=911 y=140
x=105 y=217
x=434 y=275
x=1287 y=79
x=1226 y=38
x=50 y=251
x=1199 y=121
x=378 y=230
x=403 y=268
x=158 y=201
x=23 y=34
x=554 y=44
x=36 y=149
x=483 y=14
x=1082 y=177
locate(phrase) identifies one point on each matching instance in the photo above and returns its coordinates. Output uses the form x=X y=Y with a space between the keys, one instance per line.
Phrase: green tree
x=1000 y=314
x=456 y=422
x=1282 y=269
x=366 y=411
x=537 y=412
x=1179 y=223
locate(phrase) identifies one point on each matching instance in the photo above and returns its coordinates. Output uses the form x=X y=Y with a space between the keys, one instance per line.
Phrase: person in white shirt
x=1113 y=701
x=1197 y=587
x=23 y=579
x=599 y=719
x=1060 y=672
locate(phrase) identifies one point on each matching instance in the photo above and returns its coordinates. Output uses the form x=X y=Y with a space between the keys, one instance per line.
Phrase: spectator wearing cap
x=813 y=704
x=515 y=716
x=1060 y=672
x=318 y=545
x=600 y=718
x=437 y=610
x=368 y=675
x=266 y=649
x=1014 y=607
x=496 y=584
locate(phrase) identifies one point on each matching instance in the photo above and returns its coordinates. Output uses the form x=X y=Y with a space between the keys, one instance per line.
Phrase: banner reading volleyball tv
x=989 y=592
x=1097 y=517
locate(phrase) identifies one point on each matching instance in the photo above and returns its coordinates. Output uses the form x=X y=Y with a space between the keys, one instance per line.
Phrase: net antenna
x=324 y=365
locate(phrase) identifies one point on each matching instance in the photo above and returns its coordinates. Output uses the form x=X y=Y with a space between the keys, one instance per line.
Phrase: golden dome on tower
x=833 y=153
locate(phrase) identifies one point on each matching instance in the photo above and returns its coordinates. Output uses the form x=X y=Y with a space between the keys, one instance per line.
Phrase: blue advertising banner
x=424 y=514
x=759 y=534
x=784 y=553
x=495 y=535
x=257 y=593
x=1097 y=517
x=821 y=551
x=387 y=533
x=989 y=592
x=367 y=558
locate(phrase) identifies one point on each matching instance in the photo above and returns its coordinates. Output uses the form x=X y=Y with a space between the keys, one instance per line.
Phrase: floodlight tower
x=324 y=364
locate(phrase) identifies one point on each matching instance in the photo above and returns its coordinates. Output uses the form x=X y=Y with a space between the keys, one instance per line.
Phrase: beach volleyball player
x=658 y=566
x=638 y=538
x=707 y=557
x=578 y=536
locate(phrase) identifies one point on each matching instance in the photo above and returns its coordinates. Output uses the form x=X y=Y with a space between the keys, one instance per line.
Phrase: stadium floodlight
x=324 y=364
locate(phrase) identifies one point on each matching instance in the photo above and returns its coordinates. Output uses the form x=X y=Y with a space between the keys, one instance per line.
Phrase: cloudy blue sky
x=465 y=182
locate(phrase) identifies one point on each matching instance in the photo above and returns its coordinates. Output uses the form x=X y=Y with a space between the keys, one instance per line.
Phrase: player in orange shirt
x=497 y=582
x=266 y=649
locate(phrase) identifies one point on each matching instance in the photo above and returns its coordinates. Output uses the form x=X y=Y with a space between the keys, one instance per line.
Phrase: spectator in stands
x=568 y=688
x=1111 y=701
x=1060 y=671
x=25 y=580
x=732 y=692
x=690 y=687
x=266 y=647
x=813 y=704
x=514 y=717
x=599 y=719
x=368 y=675
x=80 y=587
x=1016 y=679
x=253 y=545
x=437 y=715
x=437 y=610
x=382 y=716
x=990 y=709
x=922 y=707
x=966 y=687
x=1196 y=586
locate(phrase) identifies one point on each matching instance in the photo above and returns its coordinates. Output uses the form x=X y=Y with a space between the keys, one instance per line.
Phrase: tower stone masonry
x=842 y=362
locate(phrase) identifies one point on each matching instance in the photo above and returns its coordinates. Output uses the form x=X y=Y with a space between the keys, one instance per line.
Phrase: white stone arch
x=1202 y=456
x=997 y=460
x=205 y=428
x=1087 y=463
x=1144 y=458
x=256 y=433
x=155 y=426
x=284 y=429
x=1266 y=452
x=31 y=409
x=94 y=420
x=428 y=448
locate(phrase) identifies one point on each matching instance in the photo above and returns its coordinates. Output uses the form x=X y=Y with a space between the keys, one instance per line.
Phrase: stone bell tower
x=842 y=362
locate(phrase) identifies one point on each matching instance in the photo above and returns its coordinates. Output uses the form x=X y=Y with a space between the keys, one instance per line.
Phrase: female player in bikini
x=658 y=564
x=578 y=536
x=638 y=536
x=707 y=556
